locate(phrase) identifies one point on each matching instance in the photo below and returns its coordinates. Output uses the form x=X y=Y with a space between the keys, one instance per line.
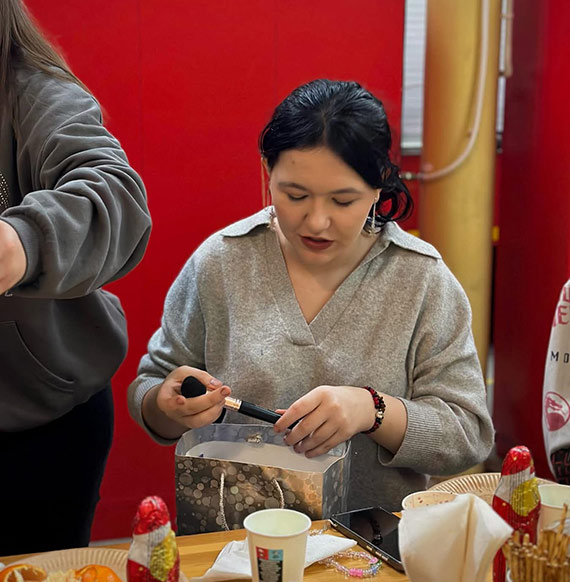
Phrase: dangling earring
x=371 y=228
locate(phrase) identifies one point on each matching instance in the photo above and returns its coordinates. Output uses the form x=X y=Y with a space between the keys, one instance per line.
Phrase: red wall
x=533 y=255
x=187 y=85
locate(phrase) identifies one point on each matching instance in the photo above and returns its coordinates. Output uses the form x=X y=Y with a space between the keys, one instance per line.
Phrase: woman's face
x=321 y=205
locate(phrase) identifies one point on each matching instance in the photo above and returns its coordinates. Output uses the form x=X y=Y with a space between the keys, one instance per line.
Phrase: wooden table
x=199 y=552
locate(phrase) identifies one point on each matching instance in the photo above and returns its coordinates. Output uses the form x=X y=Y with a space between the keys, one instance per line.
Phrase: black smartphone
x=373 y=528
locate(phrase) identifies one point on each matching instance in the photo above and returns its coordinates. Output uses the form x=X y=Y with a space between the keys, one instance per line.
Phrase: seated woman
x=323 y=307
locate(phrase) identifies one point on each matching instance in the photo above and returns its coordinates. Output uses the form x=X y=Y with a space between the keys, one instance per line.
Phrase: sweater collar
x=246 y=225
x=391 y=233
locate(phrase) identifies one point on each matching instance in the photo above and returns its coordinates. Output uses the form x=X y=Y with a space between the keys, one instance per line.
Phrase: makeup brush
x=192 y=387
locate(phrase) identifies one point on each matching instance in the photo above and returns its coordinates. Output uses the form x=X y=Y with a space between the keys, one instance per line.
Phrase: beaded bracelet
x=380 y=406
x=369 y=572
x=331 y=561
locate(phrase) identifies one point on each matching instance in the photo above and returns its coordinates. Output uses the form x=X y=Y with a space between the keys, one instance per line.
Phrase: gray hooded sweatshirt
x=80 y=211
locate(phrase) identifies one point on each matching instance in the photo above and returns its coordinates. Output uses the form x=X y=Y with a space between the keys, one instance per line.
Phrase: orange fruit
x=25 y=572
x=96 y=573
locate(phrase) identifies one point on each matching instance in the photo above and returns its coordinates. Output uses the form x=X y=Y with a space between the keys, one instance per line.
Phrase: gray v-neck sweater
x=400 y=322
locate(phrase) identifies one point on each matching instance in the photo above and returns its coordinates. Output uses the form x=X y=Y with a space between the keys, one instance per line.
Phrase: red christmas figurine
x=153 y=555
x=516 y=500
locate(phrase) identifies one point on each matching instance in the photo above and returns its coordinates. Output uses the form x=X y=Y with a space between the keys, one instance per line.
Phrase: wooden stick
x=563 y=518
x=544 y=547
x=508 y=553
x=528 y=566
x=559 y=533
x=558 y=547
x=542 y=542
x=549 y=573
x=515 y=566
x=541 y=566
x=551 y=537
x=525 y=573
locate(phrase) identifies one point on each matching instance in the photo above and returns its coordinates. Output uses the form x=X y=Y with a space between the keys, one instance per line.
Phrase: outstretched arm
x=83 y=219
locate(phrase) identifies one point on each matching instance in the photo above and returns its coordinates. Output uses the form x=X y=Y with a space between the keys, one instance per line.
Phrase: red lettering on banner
x=556 y=410
x=562 y=315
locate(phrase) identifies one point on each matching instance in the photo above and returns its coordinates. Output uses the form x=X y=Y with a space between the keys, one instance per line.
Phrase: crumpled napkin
x=232 y=562
x=451 y=541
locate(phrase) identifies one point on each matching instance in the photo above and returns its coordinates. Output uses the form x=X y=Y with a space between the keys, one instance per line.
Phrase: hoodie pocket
x=20 y=363
x=30 y=393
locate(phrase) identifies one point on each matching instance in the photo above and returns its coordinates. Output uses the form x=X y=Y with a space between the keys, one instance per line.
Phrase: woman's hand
x=13 y=260
x=330 y=415
x=170 y=414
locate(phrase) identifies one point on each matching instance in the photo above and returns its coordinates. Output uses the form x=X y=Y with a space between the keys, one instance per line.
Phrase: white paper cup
x=277 y=540
x=552 y=498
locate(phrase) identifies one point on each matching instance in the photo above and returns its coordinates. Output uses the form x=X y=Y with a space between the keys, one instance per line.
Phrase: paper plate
x=481 y=484
x=79 y=557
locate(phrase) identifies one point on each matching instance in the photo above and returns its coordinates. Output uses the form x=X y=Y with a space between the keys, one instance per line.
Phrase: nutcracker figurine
x=153 y=555
x=516 y=500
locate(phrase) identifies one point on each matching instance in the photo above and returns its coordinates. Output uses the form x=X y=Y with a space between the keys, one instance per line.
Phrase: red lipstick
x=316 y=244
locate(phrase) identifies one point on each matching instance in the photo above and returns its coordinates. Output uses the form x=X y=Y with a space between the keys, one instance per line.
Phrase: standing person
x=73 y=218
x=323 y=306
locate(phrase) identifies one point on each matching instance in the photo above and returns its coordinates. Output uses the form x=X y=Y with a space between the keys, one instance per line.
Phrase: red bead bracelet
x=380 y=406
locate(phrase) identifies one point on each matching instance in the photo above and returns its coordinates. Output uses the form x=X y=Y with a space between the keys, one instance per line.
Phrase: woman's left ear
x=377 y=197
x=265 y=193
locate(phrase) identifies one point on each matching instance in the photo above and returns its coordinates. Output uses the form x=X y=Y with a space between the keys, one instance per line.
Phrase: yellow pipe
x=456 y=210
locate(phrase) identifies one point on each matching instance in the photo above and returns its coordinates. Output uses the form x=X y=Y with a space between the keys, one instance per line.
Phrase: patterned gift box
x=224 y=472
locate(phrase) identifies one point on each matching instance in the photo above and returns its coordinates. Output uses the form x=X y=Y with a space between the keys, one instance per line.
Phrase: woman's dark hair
x=22 y=44
x=351 y=122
